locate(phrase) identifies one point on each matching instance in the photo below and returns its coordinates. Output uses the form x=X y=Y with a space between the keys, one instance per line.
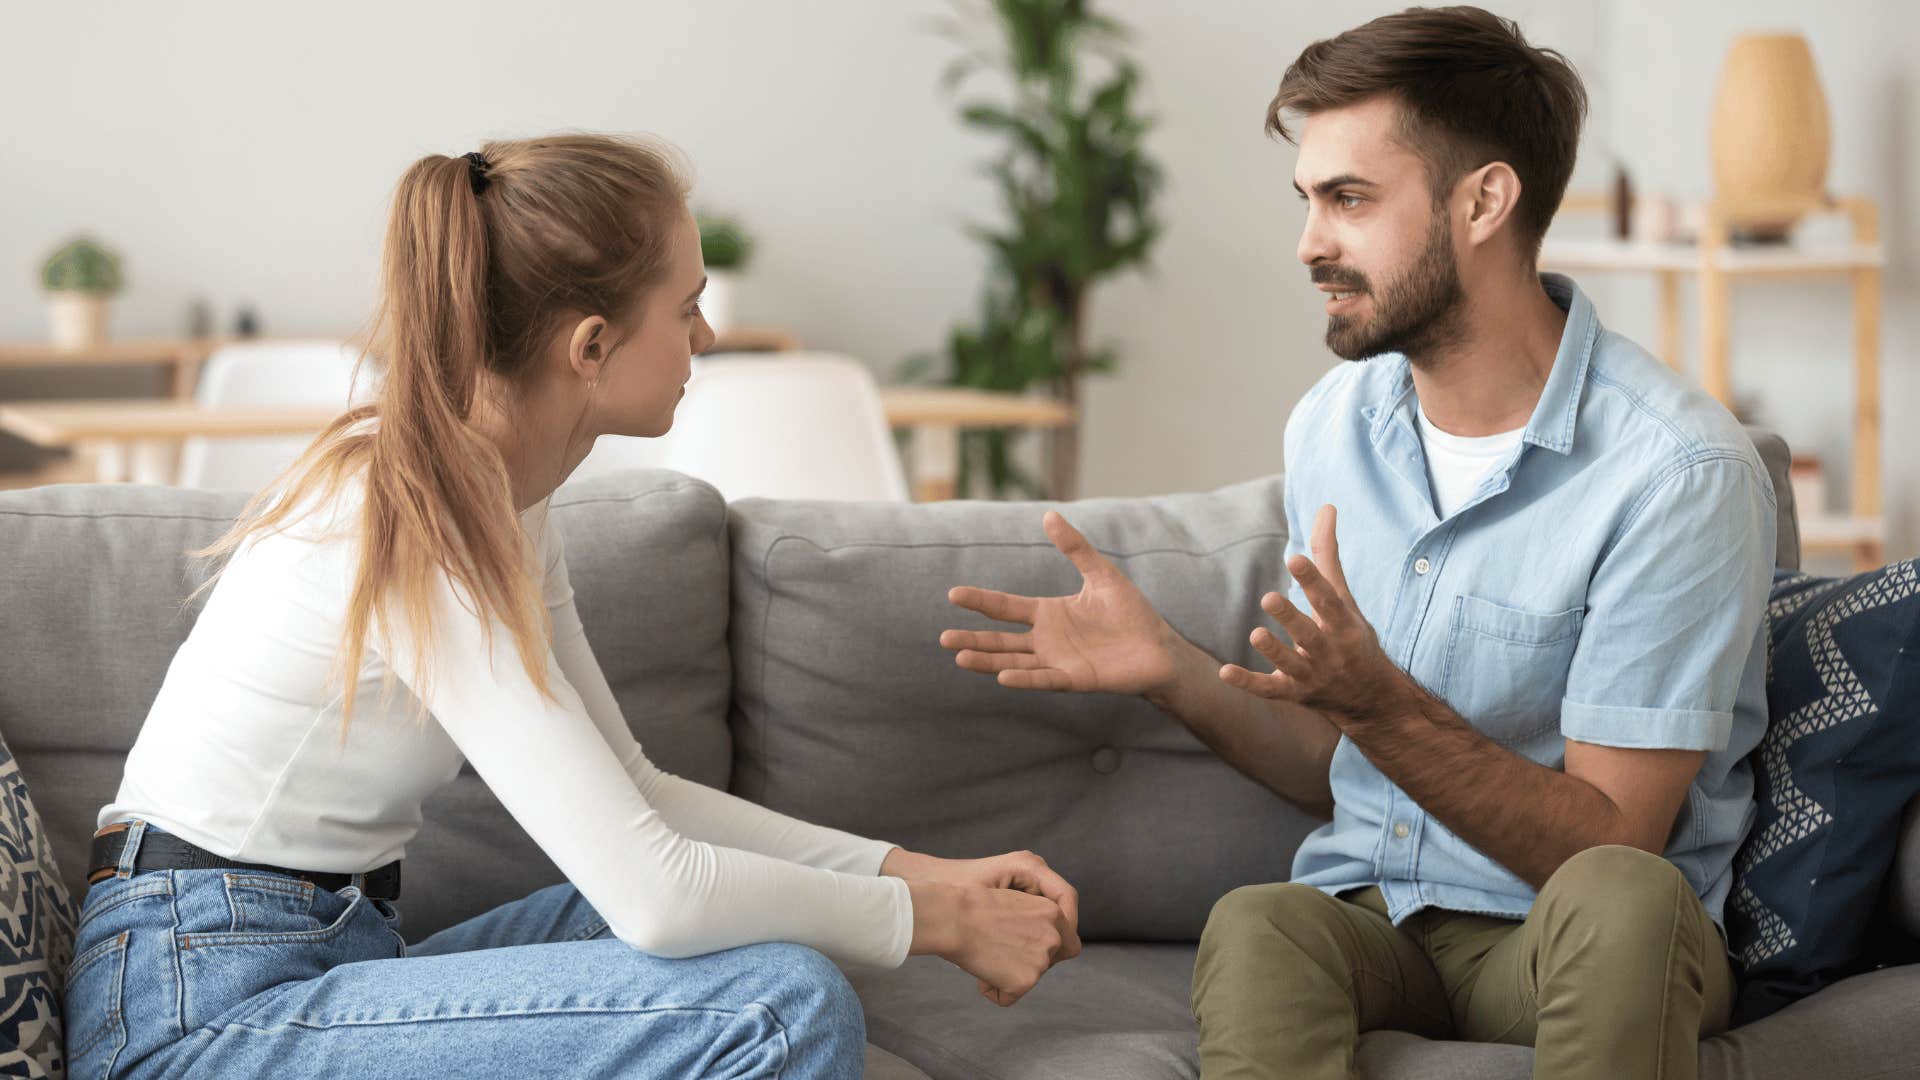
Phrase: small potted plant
x=726 y=248
x=79 y=279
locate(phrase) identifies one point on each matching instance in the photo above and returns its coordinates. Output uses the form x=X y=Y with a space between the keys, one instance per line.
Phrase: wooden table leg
x=1866 y=367
x=935 y=456
x=1669 y=283
x=151 y=461
x=109 y=460
x=1715 y=367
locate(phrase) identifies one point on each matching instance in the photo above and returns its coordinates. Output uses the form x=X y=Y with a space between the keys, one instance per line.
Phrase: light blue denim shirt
x=1605 y=584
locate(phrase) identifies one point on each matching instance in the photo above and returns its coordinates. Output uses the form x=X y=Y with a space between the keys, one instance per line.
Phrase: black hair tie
x=477 y=172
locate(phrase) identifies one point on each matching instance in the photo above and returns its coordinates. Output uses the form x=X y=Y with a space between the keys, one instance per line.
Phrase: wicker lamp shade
x=1769 y=134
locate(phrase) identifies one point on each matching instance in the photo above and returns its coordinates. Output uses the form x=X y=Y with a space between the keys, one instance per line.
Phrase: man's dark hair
x=1470 y=91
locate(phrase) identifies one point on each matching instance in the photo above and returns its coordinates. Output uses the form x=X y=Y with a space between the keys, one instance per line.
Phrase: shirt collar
x=1551 y=426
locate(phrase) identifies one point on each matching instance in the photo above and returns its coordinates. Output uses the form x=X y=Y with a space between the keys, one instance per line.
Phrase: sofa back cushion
x=847 y=711
x=91 y=611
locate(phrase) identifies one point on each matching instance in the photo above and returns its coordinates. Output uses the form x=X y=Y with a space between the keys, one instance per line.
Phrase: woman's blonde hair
x=486 y=256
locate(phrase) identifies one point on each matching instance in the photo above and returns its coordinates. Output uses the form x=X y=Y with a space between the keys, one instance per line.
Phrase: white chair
x=791 y=426
x=268 y=373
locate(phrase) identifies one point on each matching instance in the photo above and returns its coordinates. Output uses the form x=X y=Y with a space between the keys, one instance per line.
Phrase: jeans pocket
x=267 y=909
x=286 y=934
x=105 y=905
x=96 y=1026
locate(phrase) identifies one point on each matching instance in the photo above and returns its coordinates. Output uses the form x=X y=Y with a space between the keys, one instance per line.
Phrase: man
x=1523 y=663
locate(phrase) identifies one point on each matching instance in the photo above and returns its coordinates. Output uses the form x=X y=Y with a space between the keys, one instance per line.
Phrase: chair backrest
x=267 y=373
x=791 y=426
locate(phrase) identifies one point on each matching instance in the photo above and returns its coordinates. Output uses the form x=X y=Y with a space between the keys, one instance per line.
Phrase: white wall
x=244 y=152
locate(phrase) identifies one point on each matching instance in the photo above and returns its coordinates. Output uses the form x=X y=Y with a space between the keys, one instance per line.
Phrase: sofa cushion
x=847 y=711
x=36 y=933
x=1835 y=771
x=1121 y=1011
x=91 y=611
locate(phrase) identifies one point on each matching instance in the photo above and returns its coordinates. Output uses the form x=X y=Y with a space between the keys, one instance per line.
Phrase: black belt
x=164 y=851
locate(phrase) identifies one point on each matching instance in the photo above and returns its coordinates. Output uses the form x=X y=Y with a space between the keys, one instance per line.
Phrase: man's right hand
x=1107 y=637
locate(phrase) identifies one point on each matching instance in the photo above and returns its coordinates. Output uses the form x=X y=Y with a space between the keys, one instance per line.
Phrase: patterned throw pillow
x=1839 y=762
x=37 y=918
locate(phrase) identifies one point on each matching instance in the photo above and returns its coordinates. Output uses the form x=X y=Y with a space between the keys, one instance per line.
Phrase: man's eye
x=1348 y=202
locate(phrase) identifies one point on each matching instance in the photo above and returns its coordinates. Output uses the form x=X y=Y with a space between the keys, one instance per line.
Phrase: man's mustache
x=1339 y=275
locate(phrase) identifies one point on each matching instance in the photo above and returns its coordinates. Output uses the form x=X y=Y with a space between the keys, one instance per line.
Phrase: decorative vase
x=79 y=320
x=1769 y=135
x=717 y=302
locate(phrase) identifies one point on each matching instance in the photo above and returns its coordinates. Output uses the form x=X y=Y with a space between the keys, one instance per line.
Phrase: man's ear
x=1493 y=191
x=587 y=348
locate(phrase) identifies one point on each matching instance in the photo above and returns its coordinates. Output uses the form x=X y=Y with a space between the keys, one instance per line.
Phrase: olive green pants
x=1617 y=972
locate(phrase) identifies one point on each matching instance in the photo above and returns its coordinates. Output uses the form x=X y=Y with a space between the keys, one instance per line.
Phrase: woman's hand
x=1005 y=919
x=1004 y=938
x=1021 y=870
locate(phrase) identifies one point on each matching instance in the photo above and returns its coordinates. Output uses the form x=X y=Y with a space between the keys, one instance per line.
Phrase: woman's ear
x=1495 y=189
x=587 y=348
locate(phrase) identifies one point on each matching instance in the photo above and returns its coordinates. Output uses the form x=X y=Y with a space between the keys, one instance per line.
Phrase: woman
x=240 y=923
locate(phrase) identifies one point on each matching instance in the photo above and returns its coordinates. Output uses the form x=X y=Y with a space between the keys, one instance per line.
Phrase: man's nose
x=1316 y=241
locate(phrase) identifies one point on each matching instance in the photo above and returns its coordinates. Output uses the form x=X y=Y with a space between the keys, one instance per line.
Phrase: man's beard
x=1416 y=313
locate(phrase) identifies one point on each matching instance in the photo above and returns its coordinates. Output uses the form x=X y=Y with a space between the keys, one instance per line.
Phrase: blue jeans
x=219 y=973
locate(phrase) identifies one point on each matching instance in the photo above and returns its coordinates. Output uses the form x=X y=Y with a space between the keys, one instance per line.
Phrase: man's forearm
x=1522 y=815
x=1283 y=746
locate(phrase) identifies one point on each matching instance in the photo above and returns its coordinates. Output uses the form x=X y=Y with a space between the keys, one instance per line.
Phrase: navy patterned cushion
x=37 y=917
x=1839 y=762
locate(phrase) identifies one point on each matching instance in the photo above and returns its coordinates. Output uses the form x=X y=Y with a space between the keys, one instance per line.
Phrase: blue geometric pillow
x=37 y=918
x=1839 y=761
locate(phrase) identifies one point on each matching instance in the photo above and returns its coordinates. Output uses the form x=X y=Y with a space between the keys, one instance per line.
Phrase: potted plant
x=1076 y=188
x=79 y=278
x=726 y=247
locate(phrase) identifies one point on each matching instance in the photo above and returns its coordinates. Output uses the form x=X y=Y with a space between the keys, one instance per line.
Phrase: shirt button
x=1421 y=566
x=1400 y=829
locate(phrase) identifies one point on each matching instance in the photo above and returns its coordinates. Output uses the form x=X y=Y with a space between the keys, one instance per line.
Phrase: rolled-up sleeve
x=1673 y=611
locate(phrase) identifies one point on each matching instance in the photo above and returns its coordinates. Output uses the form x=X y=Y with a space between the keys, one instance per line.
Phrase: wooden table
x=133 y=439
x=183 y=357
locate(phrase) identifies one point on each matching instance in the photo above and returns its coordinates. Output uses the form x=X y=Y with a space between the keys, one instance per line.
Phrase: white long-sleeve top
x=242 y=755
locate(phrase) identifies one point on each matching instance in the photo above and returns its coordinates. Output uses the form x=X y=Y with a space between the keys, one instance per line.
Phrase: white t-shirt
x=242 y=755
x=1456 y=464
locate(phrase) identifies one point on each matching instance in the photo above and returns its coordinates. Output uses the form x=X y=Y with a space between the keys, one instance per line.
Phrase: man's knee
x=1615 y=889
x=1261 y=911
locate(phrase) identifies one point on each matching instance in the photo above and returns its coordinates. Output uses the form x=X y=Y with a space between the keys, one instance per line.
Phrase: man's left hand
x=1335 y=664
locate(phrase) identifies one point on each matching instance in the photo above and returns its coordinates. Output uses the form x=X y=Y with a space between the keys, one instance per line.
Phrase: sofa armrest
x=1773 y=451
x=1904 y=888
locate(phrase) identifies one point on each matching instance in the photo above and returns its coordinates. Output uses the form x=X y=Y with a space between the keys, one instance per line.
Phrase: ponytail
x=482 y=259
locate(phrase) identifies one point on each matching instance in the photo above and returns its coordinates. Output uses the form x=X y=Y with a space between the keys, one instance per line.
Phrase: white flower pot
x=717 y=302
x=79 y=320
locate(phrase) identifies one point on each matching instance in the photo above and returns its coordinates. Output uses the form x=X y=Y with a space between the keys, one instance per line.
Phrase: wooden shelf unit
x=1718 y=264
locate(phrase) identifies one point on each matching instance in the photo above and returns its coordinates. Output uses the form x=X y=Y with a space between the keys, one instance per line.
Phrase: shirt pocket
x=1506 y=669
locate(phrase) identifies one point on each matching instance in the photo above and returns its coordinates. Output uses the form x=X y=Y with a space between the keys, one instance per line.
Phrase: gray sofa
x=788 y=651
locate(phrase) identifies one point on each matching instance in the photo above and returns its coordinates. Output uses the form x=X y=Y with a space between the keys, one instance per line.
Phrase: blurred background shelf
x=1717 y=263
